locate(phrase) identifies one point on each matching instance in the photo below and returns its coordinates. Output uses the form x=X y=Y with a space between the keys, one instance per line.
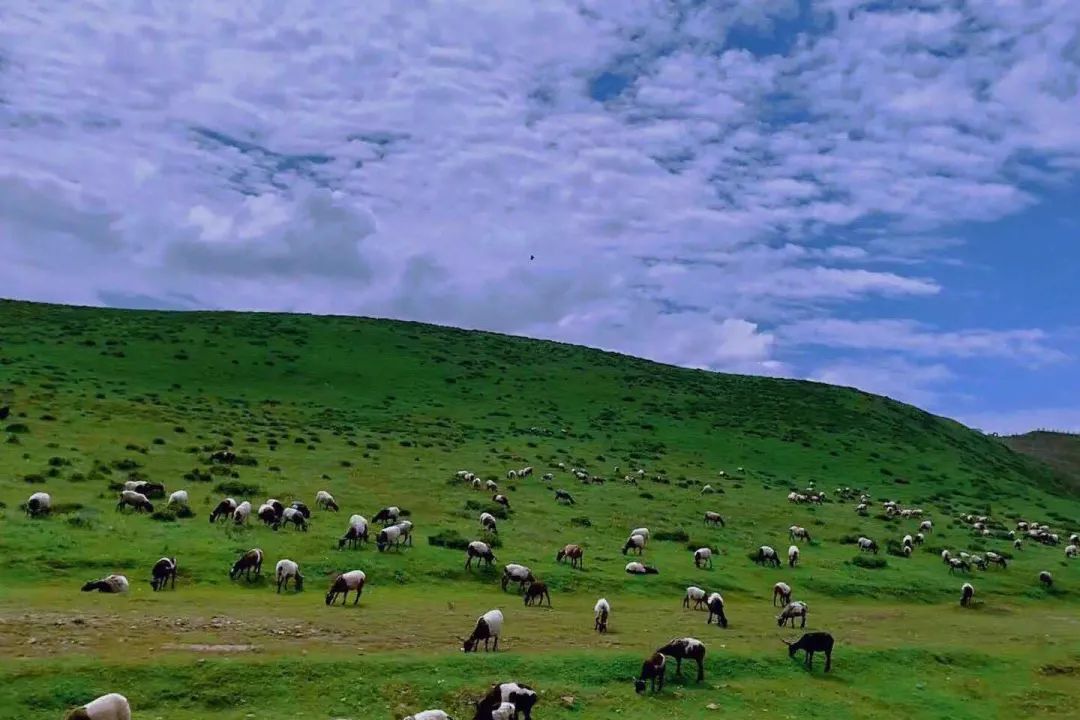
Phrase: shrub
x=34 y=479
x=679 y=535
x=581 y=522
x=172 y=514
x=235 y=487
x=870 y=562
x=449 y=539
x=17 y=428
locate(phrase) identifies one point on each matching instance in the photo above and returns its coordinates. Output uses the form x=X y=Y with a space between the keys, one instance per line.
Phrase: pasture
x=385 y=413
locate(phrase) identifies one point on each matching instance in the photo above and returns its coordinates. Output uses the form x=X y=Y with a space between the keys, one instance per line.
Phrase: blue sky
x=877 y=194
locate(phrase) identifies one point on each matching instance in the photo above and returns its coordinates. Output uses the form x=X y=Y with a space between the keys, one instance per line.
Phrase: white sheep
x=703 y=556
x=707 y=489
x=696 y=595
x=926 y=526
x=791 y=611
x=241 y=513
x=325 y=500
x=113 y=706
x=634 y=542
x=796 y=532
x=601 y=610
x=505 y=711
x=487 y=522
x=643 y=531
x=40 y=503
x=429 y=715
x=130 y=498
x=286 y=569
x=180 y=497
x=1072 y=551
x=792 y=555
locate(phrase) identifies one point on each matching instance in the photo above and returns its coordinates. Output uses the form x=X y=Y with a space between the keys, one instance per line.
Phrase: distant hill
x=1060 y=451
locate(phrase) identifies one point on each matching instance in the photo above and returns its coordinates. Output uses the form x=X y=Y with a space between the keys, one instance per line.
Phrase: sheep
x=994 y=559
x=634 y=542
x=967 y=592
x=601 y=610
x=388 y=536
x=695 y=594
x=501 y=500
x=791 y=611
x=862 y=509
x=251 y=560
x=703 y=556
x=766 y=554
x=286 y=569
x=223 y=509
x=781 y=591
x=294 y=516
x=520 y=574
x=353 y=580
x=926 y=526
x=946 y=556
x=811 y=643
x=268 y=515
x=405 y=527
x=978 y=561
x=707 y=489
x=113 y=706
x=356 y=534
x=643 y=532
x=907 y=550
x=387 y=516
x=487 y=522
x=686 y=648
x=488 y=627
x=563 y=496
x=521 y=699
x=40 y=503
x=1074 y=539
x=652 y=674
x=223 y=456
x=241 y=513
x=908 y=541
x=547 y=477
x=1046 y=579
x=536 y=592
x=179 y=497
x=636 y=568
x=429 y=715
x=713 y=518
x=138 y=501
x=868 y=545
x=477 y=484
x=958 y=564
x=799 y=533
x=510 y=475
x=325 y=501
x=108 y=584
x=491 y=485
x=1018 y=544
x=792 y=555
x=1072 y=551
x=163 y=570
x=575 y=553
x=301 y=508
x=526 y=471
x=146 y=488
x=716 y=607
x=919 y=538
x=479 y=550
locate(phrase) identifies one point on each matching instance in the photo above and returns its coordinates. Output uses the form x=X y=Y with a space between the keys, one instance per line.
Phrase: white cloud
x=1015 y=422
x=894 y=377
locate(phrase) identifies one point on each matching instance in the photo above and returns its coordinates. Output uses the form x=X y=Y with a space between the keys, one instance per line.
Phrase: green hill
x=1061 y=451
x=381 y=412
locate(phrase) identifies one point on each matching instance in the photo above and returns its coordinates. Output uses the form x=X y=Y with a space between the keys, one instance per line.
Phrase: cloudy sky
x=879 y=194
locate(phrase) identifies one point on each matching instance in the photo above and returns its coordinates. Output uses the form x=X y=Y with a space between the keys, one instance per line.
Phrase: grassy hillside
x=1061 y=451
x=383 y=413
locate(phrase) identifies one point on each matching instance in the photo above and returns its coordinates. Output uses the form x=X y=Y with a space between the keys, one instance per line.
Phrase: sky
x=879 y=194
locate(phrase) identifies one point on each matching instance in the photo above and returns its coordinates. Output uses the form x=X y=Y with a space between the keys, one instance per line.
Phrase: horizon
x=880 y=196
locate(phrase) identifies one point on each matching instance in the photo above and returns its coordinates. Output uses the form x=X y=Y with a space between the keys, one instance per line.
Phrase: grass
x=384 y=413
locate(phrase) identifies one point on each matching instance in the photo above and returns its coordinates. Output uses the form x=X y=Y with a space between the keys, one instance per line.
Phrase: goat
x=695 y=594
x=479 y=550
x=703 y=556
x=811 y=643
x=686 y=648
x=713 y=518
x=488 y=627
x=251 y=560
x=652 y=673
x=138 y=501
x=286 y=569
x=600 y=615
x=791 y=611
x=766 y=555
x=353 y=580
x=575 y=553
x=108 y=584
x=520 y=697
x=223 y=509
x=536 y=592
x=967 y=592
x=716 y=607
x=113 y=706
x=781 y=591
x=163 y=570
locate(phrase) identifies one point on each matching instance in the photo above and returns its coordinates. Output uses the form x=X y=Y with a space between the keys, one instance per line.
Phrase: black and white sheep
x=344 y=583
x=563 y=496
x=488 y=628
x=520 y=574
x=241 y=513
x=695 y=595
x=40 y=503
x=1046 y=579
x=634 y=542
x=703 y=556
x=781 y=591
x=967 y=592
x=521 y=698
x=249 y=562
x=113 y=706
x=388 y=515
x=501 y=500
x=479 y=550
x=687 y=648
x=388 y=537
x=108 y=584
x=716 y=608
x=792 y=556
x=356 y=533
x=713 y=518
x=292 y=516
x=286 y=569
x=652 y=673
x=223 y=509
x=326 y=501
x=868 y=545
x=766 y=555
x=601 y=610
x=636 y=568
x=488 y=523
x=163 y=571
x=136 y=500
x=791 y=611
x=796 y=532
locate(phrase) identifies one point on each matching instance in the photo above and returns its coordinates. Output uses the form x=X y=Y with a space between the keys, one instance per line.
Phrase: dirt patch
x=198 y=647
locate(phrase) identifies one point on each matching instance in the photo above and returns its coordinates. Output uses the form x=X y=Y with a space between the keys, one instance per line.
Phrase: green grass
x=385 y=413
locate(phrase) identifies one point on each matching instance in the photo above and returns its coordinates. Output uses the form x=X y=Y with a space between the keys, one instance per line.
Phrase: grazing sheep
x=1074 y=539
x=563 y=496
x=634 y=542
x=908 y=541
x=520 y=574
x=926 y=526
x=652 y=673
x=766 y=555
x=576 y=554
x=792 y=555
x=919 y=538
x=180 y=497
x=907 y=550
x=325 y=501
x=643 y=532
x=601 y=610
x=811 y=643
x=703 y=556
x=862 y=509
x=488 y=627
x=356 y=534
x=241 y=513
x=781 y=591
x=521 y=697
x=405 y=527
x=868 y=545
x=113 y=706
x=526 y=471
x=223 y=456
x=695 y=594
x=946 y=556
x=689 y=649
x=487 y=522
x=268 y=515
x=251 y=560
x=536 y=592
x=713 y=518
x=138 y=501
x=223 y=509
x=387 y=537
x=350 y=581
x=1072 y=551
x=967 y=592
x=791 y=611
x=510 y=475
x=1046 y=579
x=40 y=503
x=707 y=489
x=1018 y=544
x=716 y=607
x=387 y=516
x=294 y=516
x=479 y=550
x=978 y=561
x=163 y=571
x=108 y=584
x=959 y=564
x=547 y=477
x=429 y=715
x=636 y=568
x=501 y=500
x=286 y=569
x=301 y=508
x=491 y=485
x=994 y=559
x=796 y=532
x=505 y=711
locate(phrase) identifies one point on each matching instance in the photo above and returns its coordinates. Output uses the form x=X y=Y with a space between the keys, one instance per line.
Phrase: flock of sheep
x=508 y=700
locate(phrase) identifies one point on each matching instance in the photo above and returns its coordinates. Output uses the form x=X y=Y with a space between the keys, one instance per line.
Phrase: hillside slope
x=385 y=413
x=1061 y=451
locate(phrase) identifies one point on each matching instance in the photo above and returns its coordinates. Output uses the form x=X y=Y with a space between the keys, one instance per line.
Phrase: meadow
x=379 y=413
